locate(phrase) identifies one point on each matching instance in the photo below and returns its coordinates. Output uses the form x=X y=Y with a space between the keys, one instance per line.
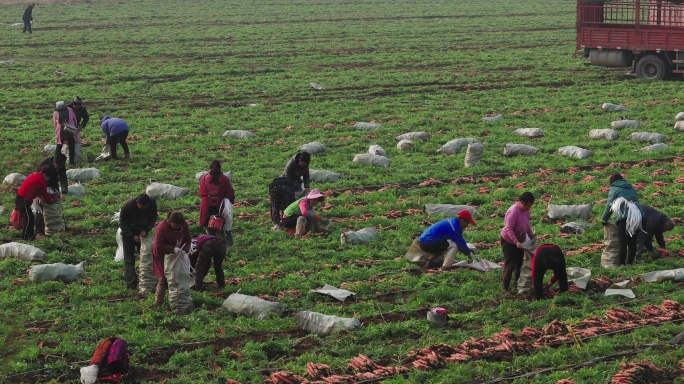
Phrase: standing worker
x=297 y=172
x=82 y=116
x=516 y=226
x=64 y=120
x=34 y=186
x=28 y=17
x=445 y=237
x=620 y=187
x=116 y=132
x=214 y=188
x=548 y=256
x=137 y=218
x=57 y=180
x=171 y=235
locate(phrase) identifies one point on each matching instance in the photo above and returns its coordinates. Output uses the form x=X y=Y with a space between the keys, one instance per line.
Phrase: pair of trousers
x=27 y=216
x=212 y=250
x=513 y=261
x=72 y=150
x=27 y=26
x=130 y=273
x=628 y=244
x=282 y=193
x=112 y=141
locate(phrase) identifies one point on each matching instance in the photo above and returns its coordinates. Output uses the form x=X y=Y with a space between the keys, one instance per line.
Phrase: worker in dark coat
x=297 y=171
x=28 y=18
x=56 y=166
x=34 y=186
x=548 y=256
x=137 y=218
x=653 y=223
x=82 y=116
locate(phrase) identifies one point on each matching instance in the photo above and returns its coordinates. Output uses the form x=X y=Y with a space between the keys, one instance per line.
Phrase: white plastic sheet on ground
x=414 y=136
x=576 y=152
x=22 y=251
x=313 y=147
x=105 y=153
x=477 y=264
x=491 y=119
x=405 y=144
x=83 y=174
x=609 y=257
x=14 y=180
x=323 y=176
x=166 y=191
x=362 y=236
x=558 y=212
x=65 y=273
x=574 y=227
x=367 y=158
x=625 y=124
x=452 y=147
x=450 y=210
x=607 y=134
x=178 y=272
x=530 y=132
x=473 y=155
x=251 y=306
x=334 y=292
x=610 y=107
x=376 y=150
x=663 y=275
x=679 y=126
x=511 y=149
x=238 y=134
x=77 y=190
x=367 y=126
x=579 y=276
x=647 y=137
x=655 y=148
x=200 y=175
x=623 y=288
x=324 y=325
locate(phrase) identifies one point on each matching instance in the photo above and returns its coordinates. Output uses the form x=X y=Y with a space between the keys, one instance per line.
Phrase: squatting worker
x=446 y=236
x=548 y=256
x=516 y=226
x=33 y=186
x=300 y=214
x=57 y=180
x=620 y=187
x=137 y=218
x=297 y=172
x=116 y=131
x=171 y=235
x=653 y=223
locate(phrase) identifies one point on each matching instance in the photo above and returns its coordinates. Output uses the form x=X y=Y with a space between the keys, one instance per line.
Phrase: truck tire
x=652 y=67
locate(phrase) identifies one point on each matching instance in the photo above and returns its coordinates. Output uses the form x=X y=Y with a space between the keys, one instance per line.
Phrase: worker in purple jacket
x=516 y=226
x=116 y=132
x=445 y=237
x=204 y=250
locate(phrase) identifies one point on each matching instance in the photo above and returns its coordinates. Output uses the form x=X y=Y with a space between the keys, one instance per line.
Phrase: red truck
x=647 y=35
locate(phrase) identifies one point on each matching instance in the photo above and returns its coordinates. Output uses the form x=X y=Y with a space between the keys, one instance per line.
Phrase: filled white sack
x=324 y=325
x=367 y=158
x=199 y=175
x=491 y=119
x=655 y=148
x=454 y=146
x=337 y=293
x=511 y=149
x=251 y=306
x=166 y=191
x=450 y=210
x=147 y=281
x=625 y=124
x=367 y=126
x=83 y=174
x=576 y=152
x=647 y=137
x=530 y=132
x=89 y=374
x=362 y=236
x=323 y=176
x=580 y=211
x=610 y=107
x=610 y=258
x=405 y=144
x=413 y=136
x=65 y=273
x=679 y=126
x=21 y=251
x=679 y=116
x=178 y=273
x=13 y=180
x=608 y=134
x=313 y=147
x=574 y=227
x=663 y=275
x=76 y=190
x=377 y=150
x=49 y=148
x=119 y=255
x=579 y=276
x=53 y=216
x=238 y=134
x=473 y=154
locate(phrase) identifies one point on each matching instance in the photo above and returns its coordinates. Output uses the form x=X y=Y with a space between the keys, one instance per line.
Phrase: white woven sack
x=609 y=107
x=179 y=275
x=375 y=150
x=454 y=146
x=105 y=153
x=78 y=152
x=119 y=255
x=251 y=306
x=13 y=180
x=65 y=273
x=525 y=282
x=558 y=212
x=147 y=281
x=664 y=275
x=579 y=276
x=491 y=119
x=367 y=158
x=200 y=175
x=450 y=210
x=679 y=126
x=77 y=190
x=654 y=148
x=519 y=149
x=313 y=148
x=323 y=176
x=610 y=257
x=414 y=136
x=83 y=174
x=680 y=116
x=607 y=134
x=473 y=154
x=227 y=215
x=575 y=227
x=89 y=374
x=166 y=191
x=367 y=126
x=530 y=132
x=21 y=251
x=647 y=137
x=625 y=124
x=53 y=215
x=576 y=152
x=324 y=325
x=362 y=236
x=405 y=144
x=238 y=134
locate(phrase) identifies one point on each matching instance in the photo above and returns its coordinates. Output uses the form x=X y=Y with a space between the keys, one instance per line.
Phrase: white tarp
x=530 y=132
x=452 y=147
x=313 y=147
x=337 y=293
x=663 y=275
x=362 y=236
x=610 y=107
x=376 y=150
x=579 y=276
x=574 y=151
x=625 y=124
x=65 y=273
x=413 y=136
x=323 y=176
x=238 y=134
x=367 y=126
x=251 y=306
x=166 y=191
x=367 y=158
x=21 y=251
x=324 y=325
x=647 y=137
x=83 y=174
x=511 y=149
x=405 y=144
x=450 y=210
x=607 y=134
x=623 y=288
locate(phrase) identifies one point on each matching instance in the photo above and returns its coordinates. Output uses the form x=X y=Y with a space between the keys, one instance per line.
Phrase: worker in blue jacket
x=446 y=236
x=116 y=131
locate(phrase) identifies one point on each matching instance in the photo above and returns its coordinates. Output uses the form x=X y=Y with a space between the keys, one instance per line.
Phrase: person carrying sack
x=136 y=220
x=621 y=188
x=34 y=186
x=204 y=250
x=516 y=226
x=445 y=237
x=56 y=166
x=654 y=223
x=171 y=236
x=548 y=256
x=64 y=121
x=214 y=188
x=300 y=214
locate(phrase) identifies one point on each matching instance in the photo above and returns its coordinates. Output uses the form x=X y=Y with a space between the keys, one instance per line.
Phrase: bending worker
x=548 y=256
x=445 y=237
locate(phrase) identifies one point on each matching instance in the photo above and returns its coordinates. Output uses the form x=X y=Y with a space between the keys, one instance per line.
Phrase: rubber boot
x=159 y=294
x=127 y=156
x=449 y=258
x=300 y=228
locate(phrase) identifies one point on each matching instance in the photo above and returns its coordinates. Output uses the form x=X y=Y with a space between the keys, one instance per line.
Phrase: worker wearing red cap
x=446 y=236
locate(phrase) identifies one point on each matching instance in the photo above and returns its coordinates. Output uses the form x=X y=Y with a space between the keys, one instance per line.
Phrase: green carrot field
x=182 y=73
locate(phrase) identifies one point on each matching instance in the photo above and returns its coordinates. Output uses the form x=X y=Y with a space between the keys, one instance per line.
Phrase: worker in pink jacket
x=62 y=116
x=516 y=227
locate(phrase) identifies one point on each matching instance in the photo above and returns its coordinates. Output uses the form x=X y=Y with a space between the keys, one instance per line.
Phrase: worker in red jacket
x=34 y=186
x=548 y=256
